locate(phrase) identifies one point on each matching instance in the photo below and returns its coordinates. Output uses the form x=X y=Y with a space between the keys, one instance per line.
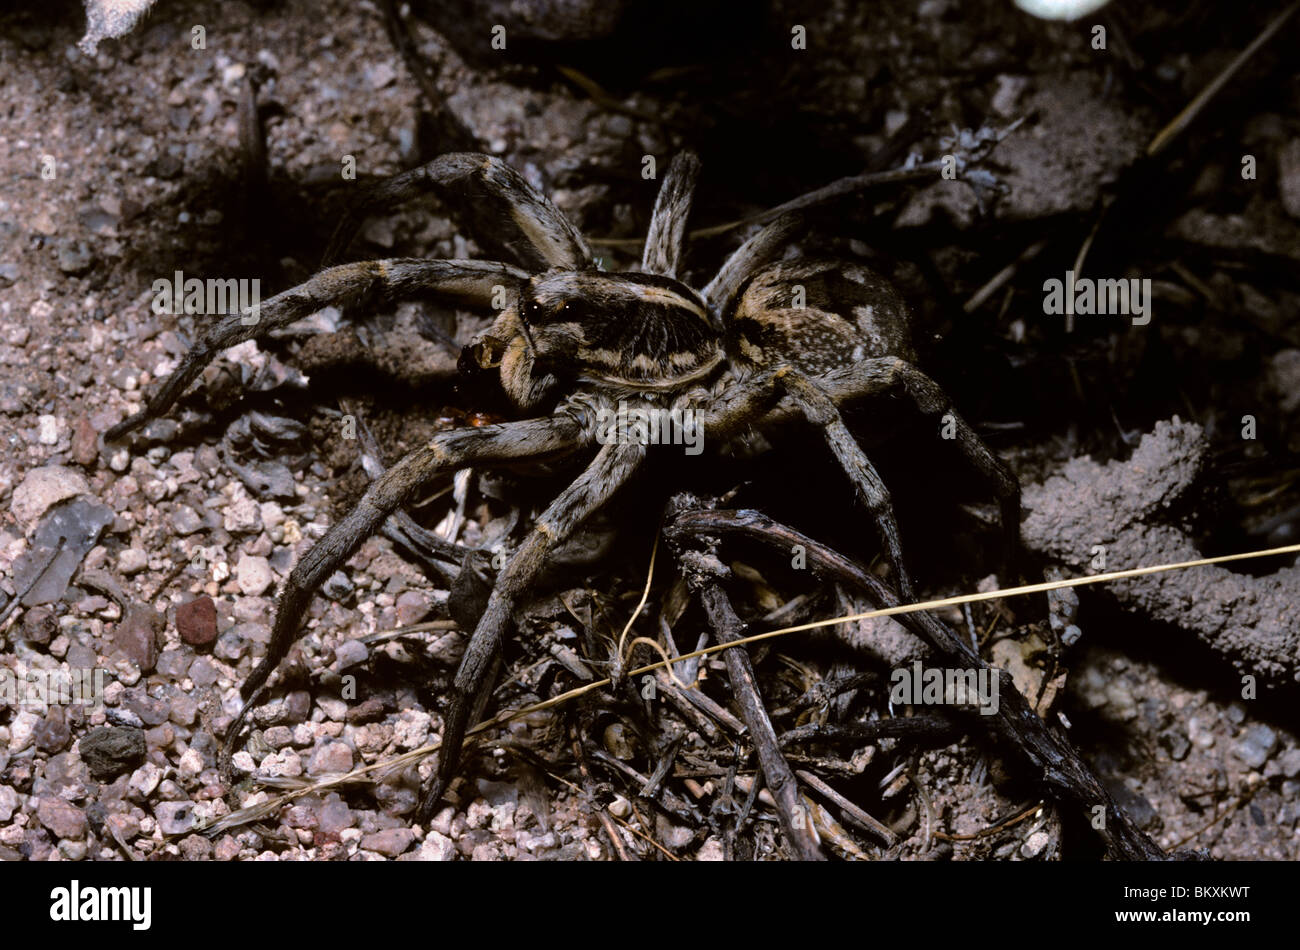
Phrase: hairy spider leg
x=469 y=282
x=760 y=249
x=493 y=203
x=612 y=467
x=820 y=411
x=665 y=242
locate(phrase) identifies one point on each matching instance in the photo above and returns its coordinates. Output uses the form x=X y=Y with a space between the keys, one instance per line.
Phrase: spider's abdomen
x=635 y=331
x=817 y=316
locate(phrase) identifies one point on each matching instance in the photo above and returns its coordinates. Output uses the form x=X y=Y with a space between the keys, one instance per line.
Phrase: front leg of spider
x=464 y=282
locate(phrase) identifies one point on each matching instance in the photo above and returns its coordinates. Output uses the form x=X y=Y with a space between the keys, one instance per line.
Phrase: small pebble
x=369 y=710
x=338 y=587
x=382 y=75
x=145 y=780
x=1256 y=745
x=62 y=818
x=136 y=636
x=132 y=561
x=437 y=847
x=44 y=487
x=85 y=442
x=196 y=622
x=330 y=758
x=350 y=653
x=196 y=848
x=335 y=815
x=1035 y=844
x=230 y=647
x=202 y=672
x=40 y=625
x=1176 y=742
x=47 y=430
x=277 y=737
x=242 y=516
x=8 y=803
x=1290 y=762
x=253 y=575
x=174 y=818
x=52 y=733
x=186 y=520
x=74 y=257
x=390 y=842
x=412 y=607
x=72 y=850
x=297 y=706
x=335 y=709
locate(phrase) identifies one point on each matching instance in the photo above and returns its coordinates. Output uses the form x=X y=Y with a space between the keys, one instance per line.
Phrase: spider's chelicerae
x=764 y=342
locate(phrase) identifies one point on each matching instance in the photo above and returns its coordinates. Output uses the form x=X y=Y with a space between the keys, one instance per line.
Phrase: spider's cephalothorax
x=763 y=343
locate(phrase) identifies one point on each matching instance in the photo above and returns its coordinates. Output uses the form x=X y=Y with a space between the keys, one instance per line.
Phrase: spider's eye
x=535 y=313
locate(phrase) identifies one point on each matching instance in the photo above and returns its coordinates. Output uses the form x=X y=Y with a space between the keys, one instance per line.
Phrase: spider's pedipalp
x=504 y=214
x=469 y=282
x=665 y=243
x=612 y=467
x=457 y=448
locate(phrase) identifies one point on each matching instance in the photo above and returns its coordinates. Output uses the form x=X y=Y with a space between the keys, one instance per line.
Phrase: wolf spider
x=765 y=341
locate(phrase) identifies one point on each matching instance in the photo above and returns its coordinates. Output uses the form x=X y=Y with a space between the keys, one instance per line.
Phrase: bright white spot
x=1060 y=9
